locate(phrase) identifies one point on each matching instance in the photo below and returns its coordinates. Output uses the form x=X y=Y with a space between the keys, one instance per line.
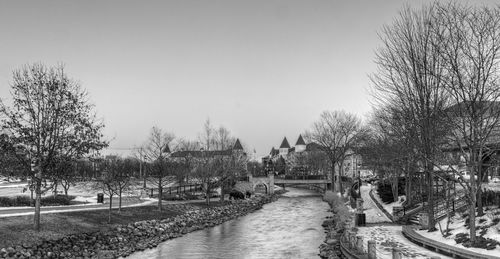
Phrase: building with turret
x=236 y=149
x=292 y=159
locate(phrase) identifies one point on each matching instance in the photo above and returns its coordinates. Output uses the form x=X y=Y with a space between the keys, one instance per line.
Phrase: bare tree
x=207 y=136
x=410 y=81
x=51 y=116
x=469 y=41
x=115 y=179
x=157 y=151
x=335 y=132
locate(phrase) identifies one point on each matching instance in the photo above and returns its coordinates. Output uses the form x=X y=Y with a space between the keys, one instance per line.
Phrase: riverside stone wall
x=126 y=239
x=334 y=227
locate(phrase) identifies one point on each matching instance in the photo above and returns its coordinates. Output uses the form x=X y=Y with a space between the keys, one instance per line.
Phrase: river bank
x=334 y=226
x=123 y=240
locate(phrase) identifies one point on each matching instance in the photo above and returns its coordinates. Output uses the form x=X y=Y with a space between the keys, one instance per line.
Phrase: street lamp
x=143 y=174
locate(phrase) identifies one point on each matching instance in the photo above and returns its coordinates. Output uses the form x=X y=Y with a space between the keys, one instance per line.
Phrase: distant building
x=287 y=158
x=236 y=149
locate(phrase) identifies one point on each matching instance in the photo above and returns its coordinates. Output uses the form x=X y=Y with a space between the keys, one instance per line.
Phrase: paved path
x=372 y=212
x=21 y=211
x=386 y=234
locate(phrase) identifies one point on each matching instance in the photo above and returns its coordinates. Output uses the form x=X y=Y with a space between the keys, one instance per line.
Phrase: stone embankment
x=123 y=240
x=334 y=227
x=330 y=249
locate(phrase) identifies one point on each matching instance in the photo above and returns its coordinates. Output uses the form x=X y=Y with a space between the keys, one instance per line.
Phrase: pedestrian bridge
x=268 y=182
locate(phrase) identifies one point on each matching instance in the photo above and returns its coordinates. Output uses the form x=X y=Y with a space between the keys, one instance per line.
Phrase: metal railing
x=177 y=189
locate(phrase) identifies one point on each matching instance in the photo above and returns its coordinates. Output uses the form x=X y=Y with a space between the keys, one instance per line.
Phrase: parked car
x=495 y=179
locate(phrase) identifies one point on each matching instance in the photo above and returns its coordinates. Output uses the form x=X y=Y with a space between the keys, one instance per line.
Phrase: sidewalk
x=372 y=212
x=22 y=211
x=385 y=235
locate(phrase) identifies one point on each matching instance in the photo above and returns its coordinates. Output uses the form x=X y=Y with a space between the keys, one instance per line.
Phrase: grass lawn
x=19 y=230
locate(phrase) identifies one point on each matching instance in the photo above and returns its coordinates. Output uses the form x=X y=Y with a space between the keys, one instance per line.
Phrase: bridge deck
x=299 y=181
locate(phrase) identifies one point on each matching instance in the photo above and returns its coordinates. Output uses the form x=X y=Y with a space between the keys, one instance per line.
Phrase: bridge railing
x=301 y=177
x=177 y=189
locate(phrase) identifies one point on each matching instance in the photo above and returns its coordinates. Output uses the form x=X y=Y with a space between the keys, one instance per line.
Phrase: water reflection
x=287 y=228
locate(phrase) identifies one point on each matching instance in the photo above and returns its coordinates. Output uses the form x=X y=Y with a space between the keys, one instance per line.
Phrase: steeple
x=284 y=147
x=237 y=145
x=166 y=149
x=284 y=144
x=300 y=145
x=300 y=141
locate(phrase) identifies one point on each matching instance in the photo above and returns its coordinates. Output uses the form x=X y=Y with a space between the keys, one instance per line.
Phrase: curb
x=442 y=248
x=381 y=208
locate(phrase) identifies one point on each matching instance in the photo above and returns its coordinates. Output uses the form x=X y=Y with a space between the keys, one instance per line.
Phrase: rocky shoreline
x=124 y=240
x=334 y=227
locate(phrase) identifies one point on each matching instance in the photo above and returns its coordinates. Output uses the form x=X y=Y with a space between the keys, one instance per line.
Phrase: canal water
x=287 y=228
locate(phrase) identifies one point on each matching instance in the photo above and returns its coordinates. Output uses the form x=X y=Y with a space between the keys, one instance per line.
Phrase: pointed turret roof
x=300 y=141
x=166 y=149
x=237 y=145
x=285 y=144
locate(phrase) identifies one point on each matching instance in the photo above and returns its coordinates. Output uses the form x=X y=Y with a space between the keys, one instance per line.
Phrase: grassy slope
x=19 y=230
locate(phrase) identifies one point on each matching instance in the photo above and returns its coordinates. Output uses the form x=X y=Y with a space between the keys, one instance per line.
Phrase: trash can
x=100 y=198
x=360 y=220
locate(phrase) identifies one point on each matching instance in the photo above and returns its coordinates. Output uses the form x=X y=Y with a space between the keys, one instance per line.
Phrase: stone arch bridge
x=269 y=181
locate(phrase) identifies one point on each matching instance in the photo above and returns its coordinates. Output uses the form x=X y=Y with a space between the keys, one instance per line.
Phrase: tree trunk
x=472 y=207
x=207 y=194
x=160 y=193
x=38 y=203
x=480 y=211
x=110 y=207
x=222 y=193
x=341 y=171
x=55 y=189
x=120 y=201
x=408 y=185
x=333 y=177
x=430 y=196
x=472 y=218
x=395 y=183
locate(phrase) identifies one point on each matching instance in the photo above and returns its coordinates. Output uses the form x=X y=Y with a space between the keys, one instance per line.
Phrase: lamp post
x=142 y=172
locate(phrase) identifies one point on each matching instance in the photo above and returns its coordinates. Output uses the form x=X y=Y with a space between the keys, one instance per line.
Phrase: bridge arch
x=261 y=181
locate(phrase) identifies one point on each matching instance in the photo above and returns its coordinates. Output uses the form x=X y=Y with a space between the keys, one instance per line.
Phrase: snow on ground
x=387 y=237
x=388 y=206
x=457 y=226
x=491 y=186
x=372 y=212
x=80 y=207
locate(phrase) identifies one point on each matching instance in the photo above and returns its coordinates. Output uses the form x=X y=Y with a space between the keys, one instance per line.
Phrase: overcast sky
x=264 y=69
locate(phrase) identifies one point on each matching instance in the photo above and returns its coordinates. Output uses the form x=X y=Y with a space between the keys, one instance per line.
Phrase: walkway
x=387 y=236
x=372 y=212
x=22 y=211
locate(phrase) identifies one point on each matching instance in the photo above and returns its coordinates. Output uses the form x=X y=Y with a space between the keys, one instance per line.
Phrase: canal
x=287 y=228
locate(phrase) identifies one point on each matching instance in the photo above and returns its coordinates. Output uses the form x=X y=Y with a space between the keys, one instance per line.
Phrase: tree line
x=437 y=93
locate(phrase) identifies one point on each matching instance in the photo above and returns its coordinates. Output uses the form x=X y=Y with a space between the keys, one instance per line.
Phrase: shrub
x=6 y=202
x=333 y=199
x=22 y=201
x=56 y=200
x=490 y=197
x=384 y=190
x=340 y=210
x=191 y=196
x=172 y=197
x=19 y=201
